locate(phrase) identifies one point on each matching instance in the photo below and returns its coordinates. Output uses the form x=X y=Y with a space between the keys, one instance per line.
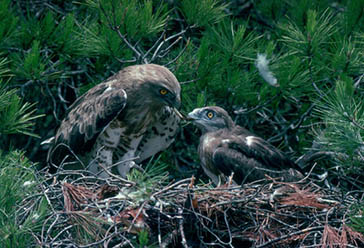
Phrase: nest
x=91 y=212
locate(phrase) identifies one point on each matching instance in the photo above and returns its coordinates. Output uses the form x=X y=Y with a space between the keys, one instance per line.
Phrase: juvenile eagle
x=132 y=114
x=226 y=148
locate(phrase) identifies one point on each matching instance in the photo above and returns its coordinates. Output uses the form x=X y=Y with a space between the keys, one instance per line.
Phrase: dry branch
x=267 y=213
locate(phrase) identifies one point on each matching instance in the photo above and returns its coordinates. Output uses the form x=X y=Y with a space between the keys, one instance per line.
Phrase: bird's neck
x=206 y=131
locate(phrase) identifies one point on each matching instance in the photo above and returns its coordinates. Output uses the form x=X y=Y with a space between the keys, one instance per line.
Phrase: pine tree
x=290 y=71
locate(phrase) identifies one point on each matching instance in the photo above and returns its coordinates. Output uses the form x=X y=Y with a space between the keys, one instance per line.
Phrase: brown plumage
x=133 y=113
x=226 y=148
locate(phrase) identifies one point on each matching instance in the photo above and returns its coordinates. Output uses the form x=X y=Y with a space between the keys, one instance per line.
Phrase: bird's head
x=160 y=86
x=211 y=118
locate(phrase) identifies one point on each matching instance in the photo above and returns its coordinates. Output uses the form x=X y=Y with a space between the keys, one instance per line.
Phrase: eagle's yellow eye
x=210 y=115
x=163 y=92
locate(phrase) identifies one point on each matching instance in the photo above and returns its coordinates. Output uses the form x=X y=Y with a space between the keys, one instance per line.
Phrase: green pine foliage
x=138 y=19
x=202 y=13
x=15 y=116
x=154 y=173
x=19 y=225
x=57 y=50
x=8 y=27
x=342 y=112
x=358 y=218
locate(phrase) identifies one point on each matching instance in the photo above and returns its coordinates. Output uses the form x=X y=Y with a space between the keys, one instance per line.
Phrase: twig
x=165 y=51
x=310 y=229
x=222 y=217
x=189 y=81
x=156 y=52
x=356 y=84
x=113 y=26
x=180 y=223
x=308 y=174
x=155 y=43
x=178 y=56
x=159 y=225
x=169 y=239
x=171 y=186
x=228 y=228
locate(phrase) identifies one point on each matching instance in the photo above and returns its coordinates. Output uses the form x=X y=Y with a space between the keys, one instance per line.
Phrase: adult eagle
x=226 y=148
x=132 y=114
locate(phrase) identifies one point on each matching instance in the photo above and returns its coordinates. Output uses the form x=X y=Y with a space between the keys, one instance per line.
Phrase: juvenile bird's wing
x=255 y=147
x=249 y=157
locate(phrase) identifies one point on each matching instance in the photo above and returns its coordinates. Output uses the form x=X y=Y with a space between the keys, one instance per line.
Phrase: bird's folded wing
x=255 y=147
x=90 y=115
x=230 y=161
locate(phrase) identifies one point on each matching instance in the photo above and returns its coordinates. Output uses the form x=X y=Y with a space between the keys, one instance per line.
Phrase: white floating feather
x=28 y=183
x=262 y=64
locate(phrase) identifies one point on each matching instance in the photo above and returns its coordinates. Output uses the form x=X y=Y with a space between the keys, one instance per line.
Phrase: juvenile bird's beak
x=192 y=116
x=196 y=118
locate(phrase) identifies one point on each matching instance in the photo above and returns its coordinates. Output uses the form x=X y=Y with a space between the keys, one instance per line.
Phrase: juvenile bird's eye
x=210 y=114
x=163 y=92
